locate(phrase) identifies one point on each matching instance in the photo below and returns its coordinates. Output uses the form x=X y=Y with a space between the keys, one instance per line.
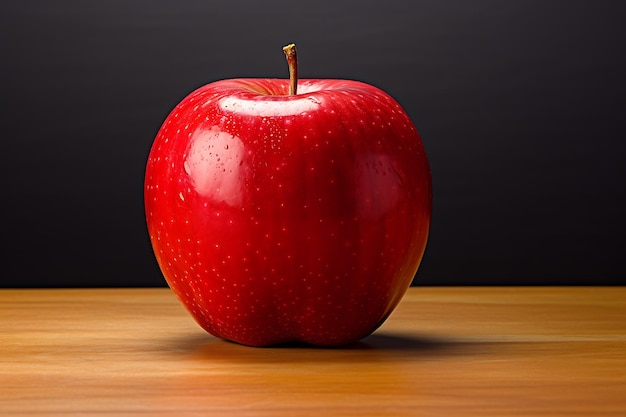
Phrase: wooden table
x=444 y=352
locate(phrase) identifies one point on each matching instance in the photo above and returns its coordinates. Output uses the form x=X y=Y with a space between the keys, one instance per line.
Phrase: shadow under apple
x=379 y=346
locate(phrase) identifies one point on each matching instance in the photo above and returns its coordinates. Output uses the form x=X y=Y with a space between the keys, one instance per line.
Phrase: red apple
x=280 y=217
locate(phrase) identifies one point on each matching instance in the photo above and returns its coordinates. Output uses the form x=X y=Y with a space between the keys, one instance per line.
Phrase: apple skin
x=278 y=218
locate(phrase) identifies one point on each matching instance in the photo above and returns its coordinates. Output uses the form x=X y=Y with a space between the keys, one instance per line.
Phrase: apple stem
x=292 y=61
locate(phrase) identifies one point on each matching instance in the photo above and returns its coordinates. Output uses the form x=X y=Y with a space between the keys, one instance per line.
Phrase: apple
x=288 y=210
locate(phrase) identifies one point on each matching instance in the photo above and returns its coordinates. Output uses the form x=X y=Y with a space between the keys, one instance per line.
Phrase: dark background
x=520 y=104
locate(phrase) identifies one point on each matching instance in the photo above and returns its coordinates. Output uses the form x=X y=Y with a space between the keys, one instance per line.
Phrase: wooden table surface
x=460 y=351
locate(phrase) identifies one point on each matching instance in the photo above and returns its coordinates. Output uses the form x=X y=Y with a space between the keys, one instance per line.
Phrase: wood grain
x=484 y=351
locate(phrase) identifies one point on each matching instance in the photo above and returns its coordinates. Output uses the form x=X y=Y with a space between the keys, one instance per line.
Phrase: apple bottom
x=300 y=288
x=325 y=274
x=339 y=320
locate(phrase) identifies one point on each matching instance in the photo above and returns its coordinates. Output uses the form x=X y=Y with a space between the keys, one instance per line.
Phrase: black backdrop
x=520 y=104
